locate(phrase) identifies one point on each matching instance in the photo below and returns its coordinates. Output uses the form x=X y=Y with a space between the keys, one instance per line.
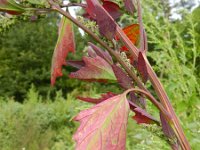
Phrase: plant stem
x=153 y=77
x=153 y=100
x=73 y=4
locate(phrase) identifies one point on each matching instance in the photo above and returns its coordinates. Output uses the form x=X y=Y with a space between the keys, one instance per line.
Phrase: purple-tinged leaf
x=141 y=116
x=129 y=5
x=123 y=79
x=167 y=130
x=169 y=133
x=76 y=63
x=91 y=52
x=140 y=101
x=103 y=54
x=142 y=68
x=95 y=69
x=103 y=126
x=97 y=100
x=64 y=45
x=112 y=8
x=90 y=9
x=107 y=26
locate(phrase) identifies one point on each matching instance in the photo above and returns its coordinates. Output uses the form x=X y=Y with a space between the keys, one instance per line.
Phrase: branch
x=74 y=4
x=154 y=101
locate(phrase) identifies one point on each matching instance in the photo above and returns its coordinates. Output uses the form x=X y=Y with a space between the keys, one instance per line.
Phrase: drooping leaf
x=91 y=52
x=95 y=69
x=123 y=79
x=142 y=68
x=64 y=45
x=103 y=54
x=97 y=100
x=90 y=9
x=76 y=63
x=140 y=101
x=112 y=8
x=11 y=7
x=129 y=5
x=107 y=26
x=169 y=133
x=141 y=116
x=167 y=130
x=104 y=125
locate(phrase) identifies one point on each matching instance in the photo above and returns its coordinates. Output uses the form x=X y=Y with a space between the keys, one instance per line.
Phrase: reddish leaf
x=140 y=101
x=112 y=8
x=129 y=5
x=11 y=7
x=95 y=69
x=90 y=9
x=97 y=100
x=104 y=125
x=132 y=32
x=122 y=78
x=91 y=52
x=75 y=63
x=103 y=54
x=107 y=26
x=65 y=44
x=167 y=130
x=141 y=116
x=142 y=68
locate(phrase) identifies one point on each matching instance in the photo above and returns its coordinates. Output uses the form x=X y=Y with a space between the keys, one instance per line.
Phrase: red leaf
x=142 y=68
x=97 y=100
x=123 y=79
x=107 y=26
x=11 y=7
x=133 y=33
x=65 y=44
x=90 y=9
x=141 y=116
x=76 y=63
x=104 y=125
x=95 y=69
x=103 y=54
x=129 y=5
x=112 y=8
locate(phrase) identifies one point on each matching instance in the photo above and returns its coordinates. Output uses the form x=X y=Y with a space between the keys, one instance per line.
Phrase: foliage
x=42 y=124
x=136 y=68
x=24 y=43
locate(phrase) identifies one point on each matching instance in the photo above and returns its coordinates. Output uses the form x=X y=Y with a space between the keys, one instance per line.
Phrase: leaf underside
x=142 y=68
x=95 y=69
x=64 y=45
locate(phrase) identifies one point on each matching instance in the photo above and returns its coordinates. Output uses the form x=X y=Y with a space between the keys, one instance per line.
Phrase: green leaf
x=10 y=6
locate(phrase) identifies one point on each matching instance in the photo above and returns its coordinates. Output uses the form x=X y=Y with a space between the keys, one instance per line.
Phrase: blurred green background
x=36 y=116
